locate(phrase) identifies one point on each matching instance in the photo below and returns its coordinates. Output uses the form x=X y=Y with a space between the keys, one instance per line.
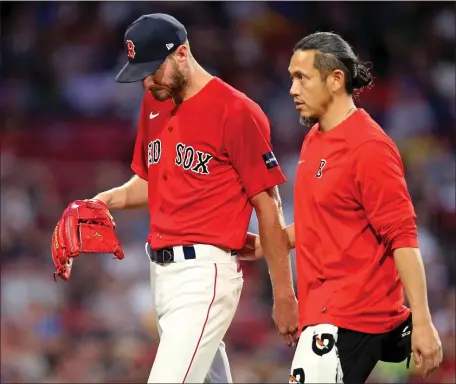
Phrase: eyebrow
x=298 y=73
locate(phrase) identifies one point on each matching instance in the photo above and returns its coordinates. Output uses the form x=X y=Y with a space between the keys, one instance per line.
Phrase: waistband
x=188 y=252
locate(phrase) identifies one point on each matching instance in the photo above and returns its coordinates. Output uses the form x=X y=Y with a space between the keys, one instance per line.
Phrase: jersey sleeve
x=138 y=164
x=247 y=140
x=382 y=190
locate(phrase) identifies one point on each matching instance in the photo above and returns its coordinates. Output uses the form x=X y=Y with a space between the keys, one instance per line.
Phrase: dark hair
x=335 y=53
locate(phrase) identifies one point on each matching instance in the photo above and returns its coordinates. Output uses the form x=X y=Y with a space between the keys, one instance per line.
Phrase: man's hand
x=426 y=345
x=286 y=318
x=275 y=243
x=86 y=226
x=285 y=309
x=252 y=249
x=426 y=348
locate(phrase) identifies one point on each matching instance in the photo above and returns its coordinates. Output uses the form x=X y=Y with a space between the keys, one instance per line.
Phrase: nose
x=148 y=82
x=294 y=89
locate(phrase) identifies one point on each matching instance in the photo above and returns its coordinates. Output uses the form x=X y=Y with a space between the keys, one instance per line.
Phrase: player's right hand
x=286 y=318
x=86 y=226
x=426 y=348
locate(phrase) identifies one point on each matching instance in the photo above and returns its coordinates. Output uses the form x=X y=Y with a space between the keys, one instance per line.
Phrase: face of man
x=168 y=81
x=311 y=93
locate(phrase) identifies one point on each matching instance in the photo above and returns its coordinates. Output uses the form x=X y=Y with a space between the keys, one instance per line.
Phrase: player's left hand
x=286 y=318
x=426 y=347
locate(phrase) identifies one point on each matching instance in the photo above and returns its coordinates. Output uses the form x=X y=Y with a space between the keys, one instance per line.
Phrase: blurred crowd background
x=67 y=132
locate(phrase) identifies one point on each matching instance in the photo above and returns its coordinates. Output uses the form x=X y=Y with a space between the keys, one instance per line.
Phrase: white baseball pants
x=195 y=302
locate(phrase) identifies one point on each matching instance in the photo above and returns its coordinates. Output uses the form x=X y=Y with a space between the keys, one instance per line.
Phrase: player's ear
x=181 y=53
x=337 y=80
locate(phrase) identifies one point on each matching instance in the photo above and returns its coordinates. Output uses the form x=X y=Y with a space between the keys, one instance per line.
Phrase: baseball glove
x=86 y=226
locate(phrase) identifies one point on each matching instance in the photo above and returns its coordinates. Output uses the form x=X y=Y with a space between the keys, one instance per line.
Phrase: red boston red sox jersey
x=352 y=210
x=203 y=161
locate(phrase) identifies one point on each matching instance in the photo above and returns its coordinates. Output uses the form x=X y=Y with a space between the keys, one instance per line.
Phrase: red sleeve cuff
x=406 y=235
x=405 y=241
x=279 y=179
x=402 y=234
x=139 y=171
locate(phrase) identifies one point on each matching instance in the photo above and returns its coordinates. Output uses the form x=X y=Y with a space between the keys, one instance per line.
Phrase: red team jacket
x=203 y=161
x=352 y=209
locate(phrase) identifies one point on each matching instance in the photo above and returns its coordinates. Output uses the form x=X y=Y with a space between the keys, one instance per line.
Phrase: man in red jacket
x=354 y=232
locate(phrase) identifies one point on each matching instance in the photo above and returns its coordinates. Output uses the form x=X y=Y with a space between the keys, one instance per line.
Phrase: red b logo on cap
x=130 y=49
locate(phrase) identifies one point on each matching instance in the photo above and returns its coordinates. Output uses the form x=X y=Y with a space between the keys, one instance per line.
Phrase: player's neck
x=337 y=112
x=198 y=78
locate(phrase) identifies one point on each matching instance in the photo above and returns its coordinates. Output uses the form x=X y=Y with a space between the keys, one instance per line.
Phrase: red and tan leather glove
x=86 y=226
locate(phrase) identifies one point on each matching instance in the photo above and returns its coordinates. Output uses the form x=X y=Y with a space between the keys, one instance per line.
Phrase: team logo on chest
x=319 y=173
x=153 y=152
x=190 y=159
x=186 y=157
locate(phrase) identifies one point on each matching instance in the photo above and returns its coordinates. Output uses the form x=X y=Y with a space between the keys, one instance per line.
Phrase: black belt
x=166 y=255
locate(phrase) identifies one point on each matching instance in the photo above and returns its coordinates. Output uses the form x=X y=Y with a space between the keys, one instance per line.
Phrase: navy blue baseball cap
x=148 y=41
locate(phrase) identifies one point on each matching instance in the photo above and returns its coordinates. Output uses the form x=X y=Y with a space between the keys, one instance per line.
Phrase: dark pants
x=328 y=354
x=360 y=352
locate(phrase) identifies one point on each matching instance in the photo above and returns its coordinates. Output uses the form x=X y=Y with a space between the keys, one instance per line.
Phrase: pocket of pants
x=397 y=344
x=237 y=271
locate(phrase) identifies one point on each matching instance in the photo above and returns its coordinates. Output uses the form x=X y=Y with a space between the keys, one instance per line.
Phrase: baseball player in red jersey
x=354 y=232
x=202 y=161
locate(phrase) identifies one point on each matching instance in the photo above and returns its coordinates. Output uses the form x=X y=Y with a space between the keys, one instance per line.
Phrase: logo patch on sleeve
x=270 y=160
